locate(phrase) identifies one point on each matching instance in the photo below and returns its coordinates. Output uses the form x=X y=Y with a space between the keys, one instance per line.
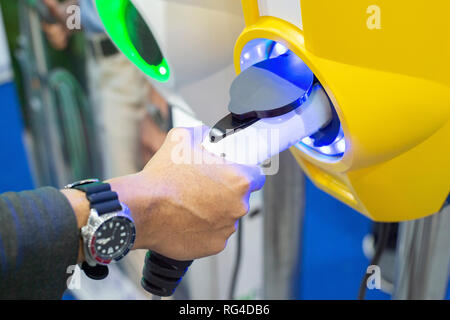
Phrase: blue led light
x=340 y=146
x=278 y=50
x=335 y=145
x=333 y=151
x=259 y=50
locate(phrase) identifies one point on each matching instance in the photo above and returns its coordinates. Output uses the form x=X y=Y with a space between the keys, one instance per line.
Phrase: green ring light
x=114 y=15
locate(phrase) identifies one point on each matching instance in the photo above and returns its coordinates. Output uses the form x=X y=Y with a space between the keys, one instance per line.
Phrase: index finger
x=255 y=176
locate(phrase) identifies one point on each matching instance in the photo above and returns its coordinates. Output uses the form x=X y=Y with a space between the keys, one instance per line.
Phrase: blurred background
x=73 y=107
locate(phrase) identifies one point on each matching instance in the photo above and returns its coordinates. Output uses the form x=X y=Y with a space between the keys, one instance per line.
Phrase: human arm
x=71 y=16
x=183 y=210
x=59 y=9
x=57 y=33
x=38 y=242
x=186 y=202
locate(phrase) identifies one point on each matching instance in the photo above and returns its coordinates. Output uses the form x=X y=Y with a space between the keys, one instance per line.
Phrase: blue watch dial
x=113 y=239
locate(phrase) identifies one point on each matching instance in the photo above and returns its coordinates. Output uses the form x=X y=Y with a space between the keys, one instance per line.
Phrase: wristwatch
x=110 y=232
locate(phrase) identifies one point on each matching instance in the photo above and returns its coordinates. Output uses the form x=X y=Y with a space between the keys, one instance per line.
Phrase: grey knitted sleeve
x=39 y=240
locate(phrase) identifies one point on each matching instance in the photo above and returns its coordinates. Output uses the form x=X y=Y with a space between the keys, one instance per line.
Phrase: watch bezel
x=95 y=221
x=81 y=183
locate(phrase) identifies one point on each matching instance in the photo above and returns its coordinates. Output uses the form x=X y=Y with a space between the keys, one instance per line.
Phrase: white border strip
x=288 y=10
x=5 y=62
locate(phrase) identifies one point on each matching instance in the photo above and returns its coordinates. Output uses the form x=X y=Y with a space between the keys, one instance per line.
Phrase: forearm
x=60 y=10
x=140 y=194
x=65 y=5
x=80 y=206
x=128 y=189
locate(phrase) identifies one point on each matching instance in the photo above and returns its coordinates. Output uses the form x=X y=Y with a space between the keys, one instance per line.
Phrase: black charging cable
x=381 y=245
x=161 y=275
x=237 y=263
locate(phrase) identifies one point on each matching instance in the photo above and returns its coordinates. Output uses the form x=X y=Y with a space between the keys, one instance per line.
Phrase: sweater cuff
x=42 y=244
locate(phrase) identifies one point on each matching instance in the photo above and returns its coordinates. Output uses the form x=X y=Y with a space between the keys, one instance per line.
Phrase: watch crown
x=93 y=218
x=85 y=231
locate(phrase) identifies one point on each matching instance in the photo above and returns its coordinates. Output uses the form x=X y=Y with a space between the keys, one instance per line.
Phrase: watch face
x=113 y=239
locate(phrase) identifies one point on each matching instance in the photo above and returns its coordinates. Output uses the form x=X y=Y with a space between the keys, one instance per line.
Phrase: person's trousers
x=118 y=90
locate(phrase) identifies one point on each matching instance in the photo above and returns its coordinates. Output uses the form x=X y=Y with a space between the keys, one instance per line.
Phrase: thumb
x=194 y=135
x=200 y=133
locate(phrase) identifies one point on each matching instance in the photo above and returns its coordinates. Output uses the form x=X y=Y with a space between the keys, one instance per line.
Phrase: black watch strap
x=103 y=200
x=100 y=197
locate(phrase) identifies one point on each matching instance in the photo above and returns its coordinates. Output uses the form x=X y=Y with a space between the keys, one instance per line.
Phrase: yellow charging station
x=385 y=67
x=390 y=86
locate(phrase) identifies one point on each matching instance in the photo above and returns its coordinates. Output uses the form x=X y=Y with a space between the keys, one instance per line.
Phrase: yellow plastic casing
x=390 y=86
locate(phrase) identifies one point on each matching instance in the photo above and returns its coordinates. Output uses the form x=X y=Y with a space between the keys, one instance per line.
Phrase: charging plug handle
x=268 y=89
x=161 y=275
x=271 y=88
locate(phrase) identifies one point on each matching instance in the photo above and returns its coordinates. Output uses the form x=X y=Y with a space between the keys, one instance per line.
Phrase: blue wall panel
x=14 y=168
x=332 y=262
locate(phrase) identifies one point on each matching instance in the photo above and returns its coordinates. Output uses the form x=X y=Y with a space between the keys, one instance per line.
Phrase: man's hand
x=151 y=135
x=57 y=34
x=59 y=9
x=187 y=209
x=152 y=138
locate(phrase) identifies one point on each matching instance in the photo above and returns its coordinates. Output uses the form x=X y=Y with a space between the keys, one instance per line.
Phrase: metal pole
x=284 y=200
x=423 y=257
